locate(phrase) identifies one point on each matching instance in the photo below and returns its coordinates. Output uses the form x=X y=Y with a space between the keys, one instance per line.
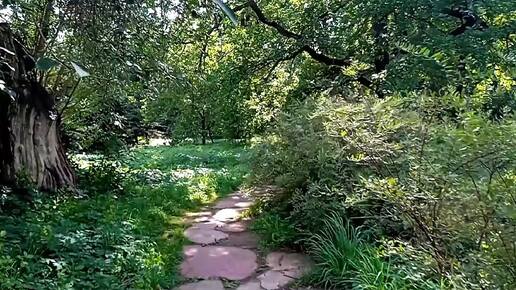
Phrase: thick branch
x=468 y=18
x=42 y=30
x=204 y=49
x=276 y=25
x=323 y=58
x=240 y=7
x=317 y=56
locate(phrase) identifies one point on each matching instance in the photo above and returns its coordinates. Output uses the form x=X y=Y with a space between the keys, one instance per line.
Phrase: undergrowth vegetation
x=275 y=232
x=123 y=230
x=425 y=198
x=345 y=258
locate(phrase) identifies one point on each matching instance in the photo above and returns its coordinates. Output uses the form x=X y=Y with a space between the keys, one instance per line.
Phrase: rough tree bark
x=29 y=138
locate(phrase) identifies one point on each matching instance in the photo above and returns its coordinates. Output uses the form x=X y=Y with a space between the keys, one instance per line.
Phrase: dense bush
x=103 y=176
x=431 y=190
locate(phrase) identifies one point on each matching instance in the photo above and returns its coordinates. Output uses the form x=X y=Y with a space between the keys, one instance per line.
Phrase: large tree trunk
x=29 y=139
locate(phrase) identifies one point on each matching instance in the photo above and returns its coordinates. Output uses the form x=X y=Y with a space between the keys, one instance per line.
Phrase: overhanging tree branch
x=274 y=24
x=323 y=58
x=469 y=19
x=291 y=56
x=314 y=54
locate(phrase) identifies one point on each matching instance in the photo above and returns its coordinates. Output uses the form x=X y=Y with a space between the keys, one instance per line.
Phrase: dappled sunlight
x=227 y=214
x=191 y=157
x=154 y=142
x=190 y=173
x=85 y=161
x=137 y=232
x=214 y=157
x=151 y=176
x=198 y=214
x=129 y=129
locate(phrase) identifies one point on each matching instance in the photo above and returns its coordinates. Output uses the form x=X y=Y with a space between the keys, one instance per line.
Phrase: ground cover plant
x=124 y=229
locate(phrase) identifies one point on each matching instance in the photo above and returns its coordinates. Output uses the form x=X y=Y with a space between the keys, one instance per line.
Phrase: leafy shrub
x=275 y=232
x=330 y=143
x=309 y=208
x=455 y=192
x=443 y=186
x=103 y=176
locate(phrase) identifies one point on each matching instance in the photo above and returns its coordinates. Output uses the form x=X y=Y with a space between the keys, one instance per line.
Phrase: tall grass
x=345 y=261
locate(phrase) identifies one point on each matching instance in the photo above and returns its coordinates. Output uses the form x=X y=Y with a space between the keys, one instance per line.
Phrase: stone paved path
x=224 y=255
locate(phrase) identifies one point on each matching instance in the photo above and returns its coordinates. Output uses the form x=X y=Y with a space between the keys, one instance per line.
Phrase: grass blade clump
x=344 y=260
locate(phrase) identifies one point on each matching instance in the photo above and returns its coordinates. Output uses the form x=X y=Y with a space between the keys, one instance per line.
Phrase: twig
x=60 y=114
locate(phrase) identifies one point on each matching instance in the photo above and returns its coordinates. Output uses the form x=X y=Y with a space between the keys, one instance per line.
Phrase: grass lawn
x=126 y=230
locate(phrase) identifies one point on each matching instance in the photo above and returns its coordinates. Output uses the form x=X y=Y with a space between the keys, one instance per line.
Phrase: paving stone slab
x=231 y=258
x=253 y=285
x=212 y=224
x=204 y=236
x=233 y=201
x=201 y=219
x=272 y=280
x=228 y=214
x=193 y=217
x=203 y=285
x=234 y=227
x=246 y=240
x=218 y=262
x=296 y=264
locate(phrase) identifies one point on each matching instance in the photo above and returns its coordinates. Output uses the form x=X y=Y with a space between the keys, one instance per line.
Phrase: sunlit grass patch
x=126 y=231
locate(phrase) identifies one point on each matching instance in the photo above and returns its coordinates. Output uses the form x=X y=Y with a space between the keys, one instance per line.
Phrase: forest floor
x=125 y=229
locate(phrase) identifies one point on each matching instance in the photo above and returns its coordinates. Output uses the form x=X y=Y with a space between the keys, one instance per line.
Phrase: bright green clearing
x=128 y=239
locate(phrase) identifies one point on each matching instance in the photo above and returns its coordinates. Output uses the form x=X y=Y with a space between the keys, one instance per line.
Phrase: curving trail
x=224 y=252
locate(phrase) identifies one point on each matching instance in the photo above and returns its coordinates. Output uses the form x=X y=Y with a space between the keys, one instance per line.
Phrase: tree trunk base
x=30 y=145
x=37 y=150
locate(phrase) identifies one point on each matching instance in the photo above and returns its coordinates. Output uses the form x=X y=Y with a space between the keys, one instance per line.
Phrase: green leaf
x=45 y=63
x=228 y=11
x=82 y=73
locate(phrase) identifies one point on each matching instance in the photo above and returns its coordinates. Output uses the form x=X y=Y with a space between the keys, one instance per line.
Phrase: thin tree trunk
x=204 y=133
x=30 y=143
x=210 y=133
